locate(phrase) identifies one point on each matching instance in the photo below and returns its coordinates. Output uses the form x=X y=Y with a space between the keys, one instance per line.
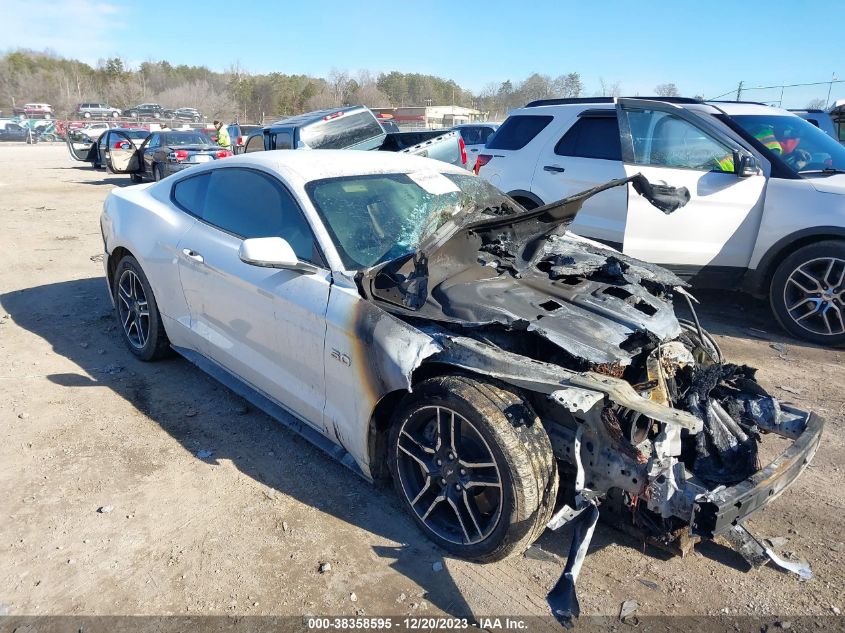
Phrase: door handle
x=187 y=252
x=555 y=169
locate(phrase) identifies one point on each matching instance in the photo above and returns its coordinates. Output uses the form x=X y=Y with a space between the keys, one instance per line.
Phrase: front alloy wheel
x=449 y=475
x=474 y=466
x=808 y=293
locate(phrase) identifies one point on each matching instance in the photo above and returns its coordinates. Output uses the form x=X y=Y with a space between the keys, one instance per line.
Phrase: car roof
x=305 y=165
x=731 y=108
x=311 y=117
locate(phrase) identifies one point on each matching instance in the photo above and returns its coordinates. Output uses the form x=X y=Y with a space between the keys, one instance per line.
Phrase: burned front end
x=647 y=420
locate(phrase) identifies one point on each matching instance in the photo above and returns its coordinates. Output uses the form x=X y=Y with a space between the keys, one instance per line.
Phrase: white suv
x=767 y=193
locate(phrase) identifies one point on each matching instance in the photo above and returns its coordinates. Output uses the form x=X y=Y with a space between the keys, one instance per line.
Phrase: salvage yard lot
x=133 y=488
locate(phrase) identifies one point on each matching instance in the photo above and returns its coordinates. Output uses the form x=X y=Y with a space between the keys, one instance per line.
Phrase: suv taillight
x=482 y=160
x=463 y=150
x=178 y=156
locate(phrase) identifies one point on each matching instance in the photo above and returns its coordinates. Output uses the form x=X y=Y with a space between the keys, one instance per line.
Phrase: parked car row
x=102 y=110
x=766 y=210
x=145 y=155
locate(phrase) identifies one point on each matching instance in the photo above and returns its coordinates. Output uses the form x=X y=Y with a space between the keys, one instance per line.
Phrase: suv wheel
x=807 y=294
x=474 y=467
x=137 y=312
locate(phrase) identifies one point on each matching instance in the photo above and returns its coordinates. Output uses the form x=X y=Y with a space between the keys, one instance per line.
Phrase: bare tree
x=609 y=90
x=339 y=85
x=817 y=104
x=568 y=85
x=369 y=95
x=666 y=90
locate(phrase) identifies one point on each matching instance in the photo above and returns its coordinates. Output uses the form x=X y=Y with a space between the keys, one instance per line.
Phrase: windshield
x=341 y=130
x=796 y=142
x=185 y=138
x=376 y=218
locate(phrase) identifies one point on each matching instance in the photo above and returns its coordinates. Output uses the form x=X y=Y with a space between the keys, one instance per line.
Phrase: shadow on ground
x=267 y=452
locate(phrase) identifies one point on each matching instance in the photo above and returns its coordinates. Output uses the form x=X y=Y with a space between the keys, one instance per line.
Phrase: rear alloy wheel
x=137 y=312
x=808 y=293
x=157 y=175
x=473 y=466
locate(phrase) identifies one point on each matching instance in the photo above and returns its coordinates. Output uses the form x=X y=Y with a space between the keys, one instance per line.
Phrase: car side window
x=255 y=144
x=471 y=135
x=518 y=131
x=248 y=203
x=592 y=137
x=189 y=193
x=283 y=141
x=155 y=141
x=663 y=139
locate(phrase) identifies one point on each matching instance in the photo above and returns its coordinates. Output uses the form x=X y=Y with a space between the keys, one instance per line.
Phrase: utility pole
x=829 y=87
x=739 y=90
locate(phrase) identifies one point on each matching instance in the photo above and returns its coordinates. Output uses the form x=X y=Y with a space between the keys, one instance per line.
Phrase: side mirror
x=746 y=165
x=272 y=252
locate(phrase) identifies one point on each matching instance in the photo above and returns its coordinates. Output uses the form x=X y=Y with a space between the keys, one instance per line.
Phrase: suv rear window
x=341 y=132
x=592 y=137
x=518 y=131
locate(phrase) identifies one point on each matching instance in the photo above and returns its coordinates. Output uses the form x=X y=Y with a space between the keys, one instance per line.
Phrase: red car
x=35 y=110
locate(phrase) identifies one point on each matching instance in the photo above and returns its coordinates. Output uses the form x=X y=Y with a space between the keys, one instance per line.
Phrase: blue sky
x=703 y=47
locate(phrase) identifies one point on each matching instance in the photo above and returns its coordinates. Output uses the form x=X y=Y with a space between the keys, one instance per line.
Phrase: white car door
x=585 y=155
x=673 y=146
x=264 y=325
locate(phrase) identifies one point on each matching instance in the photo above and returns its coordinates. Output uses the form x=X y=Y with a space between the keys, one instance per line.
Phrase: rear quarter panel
x=150 y=227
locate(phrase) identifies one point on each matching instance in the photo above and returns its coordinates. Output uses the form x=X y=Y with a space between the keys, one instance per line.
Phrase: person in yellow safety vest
x=766 y=135
x=223 y=139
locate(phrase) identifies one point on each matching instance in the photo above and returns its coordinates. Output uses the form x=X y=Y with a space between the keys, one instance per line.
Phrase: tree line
x=29 y=76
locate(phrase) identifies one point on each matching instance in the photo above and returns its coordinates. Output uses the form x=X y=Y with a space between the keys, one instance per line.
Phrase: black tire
x=807 y=293
x=154 y=344
x=527 y=203
x=512 y=435
x=136 y=178
x=157 y=175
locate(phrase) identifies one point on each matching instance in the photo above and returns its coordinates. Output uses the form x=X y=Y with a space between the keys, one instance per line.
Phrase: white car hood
x=829 y=184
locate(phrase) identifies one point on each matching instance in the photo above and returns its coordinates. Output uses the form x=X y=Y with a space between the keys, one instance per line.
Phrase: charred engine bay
x=518 y=282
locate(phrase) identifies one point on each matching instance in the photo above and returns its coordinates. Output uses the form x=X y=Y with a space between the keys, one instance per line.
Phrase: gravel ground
x=107 y=508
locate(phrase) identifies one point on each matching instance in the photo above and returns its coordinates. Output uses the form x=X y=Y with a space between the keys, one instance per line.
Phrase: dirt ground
x=107 y=509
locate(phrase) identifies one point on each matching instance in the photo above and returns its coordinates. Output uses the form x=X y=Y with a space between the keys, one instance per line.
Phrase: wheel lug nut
x=451 y=456
x=442 y=482
x=463 y=471
x=457 y=486
x=439 y=462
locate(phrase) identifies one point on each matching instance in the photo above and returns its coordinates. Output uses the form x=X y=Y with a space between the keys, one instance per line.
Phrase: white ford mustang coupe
x=417 y=323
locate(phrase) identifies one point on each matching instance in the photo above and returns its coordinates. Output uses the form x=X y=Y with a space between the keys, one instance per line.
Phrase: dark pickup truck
x=355 y=127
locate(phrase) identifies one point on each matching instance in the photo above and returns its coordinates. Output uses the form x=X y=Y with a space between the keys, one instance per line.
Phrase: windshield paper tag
x=433 y=182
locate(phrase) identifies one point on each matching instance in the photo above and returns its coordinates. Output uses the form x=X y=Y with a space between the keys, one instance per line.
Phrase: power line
x=744 y=89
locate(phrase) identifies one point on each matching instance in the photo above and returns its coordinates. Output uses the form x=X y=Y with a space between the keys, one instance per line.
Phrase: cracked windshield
x=374 y=219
